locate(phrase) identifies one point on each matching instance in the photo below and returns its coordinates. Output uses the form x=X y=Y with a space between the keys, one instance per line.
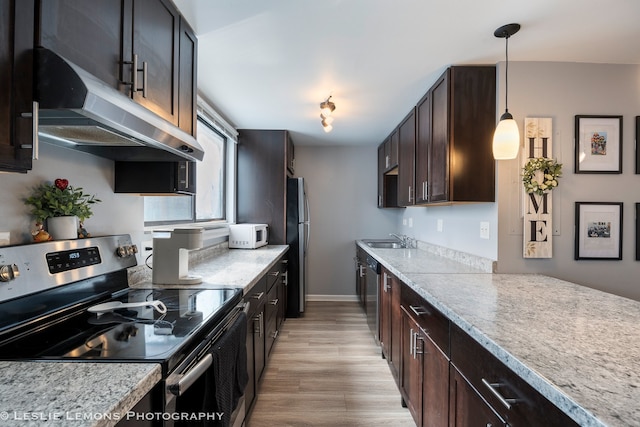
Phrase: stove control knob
x=126 y=250
x=8 y=272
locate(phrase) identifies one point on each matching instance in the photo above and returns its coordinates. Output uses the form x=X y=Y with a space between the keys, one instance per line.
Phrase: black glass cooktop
x=129 y=334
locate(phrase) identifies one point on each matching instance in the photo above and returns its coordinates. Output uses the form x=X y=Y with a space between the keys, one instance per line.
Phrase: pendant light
x=506 y=138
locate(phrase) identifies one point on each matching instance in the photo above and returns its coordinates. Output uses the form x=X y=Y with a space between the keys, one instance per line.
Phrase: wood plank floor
x=326 y=370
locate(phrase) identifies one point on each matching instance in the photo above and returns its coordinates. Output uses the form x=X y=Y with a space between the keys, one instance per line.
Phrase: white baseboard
x=335 y=298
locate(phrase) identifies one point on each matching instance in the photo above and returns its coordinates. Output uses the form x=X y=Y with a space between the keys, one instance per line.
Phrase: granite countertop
x=579 y=347
x=220 y=267
x=95 y=394
x=72 y=394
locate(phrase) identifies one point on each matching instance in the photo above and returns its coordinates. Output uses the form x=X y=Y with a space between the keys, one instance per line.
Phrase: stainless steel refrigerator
x=298 y=230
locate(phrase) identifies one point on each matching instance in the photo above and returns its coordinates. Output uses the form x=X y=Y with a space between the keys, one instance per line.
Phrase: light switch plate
x=440 y=225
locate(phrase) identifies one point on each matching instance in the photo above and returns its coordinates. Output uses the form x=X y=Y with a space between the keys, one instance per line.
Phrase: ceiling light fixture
x=326 y=108
x=506 y=138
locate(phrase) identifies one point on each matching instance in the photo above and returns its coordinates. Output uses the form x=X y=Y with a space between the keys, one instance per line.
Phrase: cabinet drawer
x=434 y=323
x=485 y=372
x=272 y=303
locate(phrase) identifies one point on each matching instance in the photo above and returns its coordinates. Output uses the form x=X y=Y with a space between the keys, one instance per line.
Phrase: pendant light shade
x=506 y=138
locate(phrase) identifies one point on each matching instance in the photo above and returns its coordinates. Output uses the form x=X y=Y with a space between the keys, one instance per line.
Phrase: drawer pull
x=274 y=302
x=258 y=296
x=419 y=310
x=493 y=388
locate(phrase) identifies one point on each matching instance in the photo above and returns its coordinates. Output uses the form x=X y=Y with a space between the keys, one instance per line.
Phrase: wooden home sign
x=538 y=228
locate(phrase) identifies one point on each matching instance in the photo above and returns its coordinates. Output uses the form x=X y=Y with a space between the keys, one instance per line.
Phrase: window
x=215 y=184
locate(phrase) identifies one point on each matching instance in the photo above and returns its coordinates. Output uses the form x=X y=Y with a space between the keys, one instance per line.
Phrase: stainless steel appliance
x=298 y=231
x=50 y=299
x=77 y=110
x=372 y=296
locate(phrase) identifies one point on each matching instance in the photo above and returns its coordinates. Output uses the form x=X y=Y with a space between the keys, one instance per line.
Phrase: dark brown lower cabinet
x=425 y=367
x=466 y=407
x=411 y=382
x=507 y=393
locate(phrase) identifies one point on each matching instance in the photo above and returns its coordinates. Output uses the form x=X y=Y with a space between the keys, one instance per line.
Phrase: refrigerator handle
x=308 y=221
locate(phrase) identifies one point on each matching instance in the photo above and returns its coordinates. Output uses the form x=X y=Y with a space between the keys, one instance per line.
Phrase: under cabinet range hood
x=77 y=110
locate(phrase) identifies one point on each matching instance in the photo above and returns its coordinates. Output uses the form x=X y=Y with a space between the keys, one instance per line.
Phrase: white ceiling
x=267 y=64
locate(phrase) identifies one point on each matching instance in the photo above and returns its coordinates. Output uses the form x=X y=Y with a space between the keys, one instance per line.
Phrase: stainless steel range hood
x=79 y=111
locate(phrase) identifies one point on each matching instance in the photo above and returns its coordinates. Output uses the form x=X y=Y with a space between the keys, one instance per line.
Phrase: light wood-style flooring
x=326 y=370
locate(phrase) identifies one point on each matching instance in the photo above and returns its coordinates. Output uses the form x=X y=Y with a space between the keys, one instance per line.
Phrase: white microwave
x=248 y=236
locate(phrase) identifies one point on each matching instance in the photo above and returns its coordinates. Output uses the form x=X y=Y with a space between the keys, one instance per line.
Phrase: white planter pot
x=63 y=227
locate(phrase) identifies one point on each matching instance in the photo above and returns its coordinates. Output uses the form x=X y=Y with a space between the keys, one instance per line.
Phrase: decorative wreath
x=551 y=171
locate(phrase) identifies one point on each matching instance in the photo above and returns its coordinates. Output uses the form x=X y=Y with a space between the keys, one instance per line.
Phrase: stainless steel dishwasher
x=371 y=296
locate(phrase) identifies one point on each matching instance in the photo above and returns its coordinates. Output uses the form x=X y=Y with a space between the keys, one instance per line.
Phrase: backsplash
x=485 y=264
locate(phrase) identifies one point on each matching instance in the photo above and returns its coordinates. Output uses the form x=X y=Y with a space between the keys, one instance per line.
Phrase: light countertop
x=65 y=394
x=220 y=267
x=579 y=347
x=97 y=394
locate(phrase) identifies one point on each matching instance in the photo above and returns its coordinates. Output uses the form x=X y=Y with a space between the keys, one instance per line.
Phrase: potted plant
x=61 y=205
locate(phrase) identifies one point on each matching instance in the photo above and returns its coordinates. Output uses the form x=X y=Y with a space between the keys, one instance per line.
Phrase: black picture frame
x=598 y=230
x=598 y=144
x=637 y=231
x=637 y=148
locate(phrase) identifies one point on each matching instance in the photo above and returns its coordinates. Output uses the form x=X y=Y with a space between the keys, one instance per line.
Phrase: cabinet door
x=396 y=328
x=392 y=150
x=87 y=33
x=411 y=379
x=385 y=315
x=155 y=25
x=439 y=148
x=291 y=156
x=16 y=86
x=406 y=168
x=381 y=169
x=435 y=384
x=466 y=407
x=188 y=78
x=423 y=146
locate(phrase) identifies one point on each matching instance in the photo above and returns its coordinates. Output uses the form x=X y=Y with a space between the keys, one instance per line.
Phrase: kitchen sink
x=384 y=244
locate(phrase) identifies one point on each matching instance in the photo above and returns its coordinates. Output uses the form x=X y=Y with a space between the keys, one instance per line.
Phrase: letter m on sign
x=538 y=228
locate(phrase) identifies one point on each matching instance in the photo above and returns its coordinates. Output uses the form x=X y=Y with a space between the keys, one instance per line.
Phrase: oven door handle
x=187 y=380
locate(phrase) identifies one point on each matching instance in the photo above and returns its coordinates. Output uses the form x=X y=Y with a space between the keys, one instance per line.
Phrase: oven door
x=207 y=388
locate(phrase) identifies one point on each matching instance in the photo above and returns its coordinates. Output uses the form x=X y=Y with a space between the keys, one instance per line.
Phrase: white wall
x=561 y=91
x=460 y=227
x=342 y=186
x=116 y=214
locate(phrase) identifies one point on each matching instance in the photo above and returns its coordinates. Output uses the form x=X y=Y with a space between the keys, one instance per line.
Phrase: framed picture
x=637 y=231
x=598 y=144
x=598 y=230
x=637 y=148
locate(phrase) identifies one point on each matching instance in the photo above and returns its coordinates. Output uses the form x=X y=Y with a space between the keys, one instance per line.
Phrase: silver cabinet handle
x=275 y=335
x=258 y=319
x=274 y=273
x=411 y=341
x=258 y=296
x=493 y=388
x=187 y=380
x=419 y=310
x=144 y=79
x=274 y=302
x=410 y=195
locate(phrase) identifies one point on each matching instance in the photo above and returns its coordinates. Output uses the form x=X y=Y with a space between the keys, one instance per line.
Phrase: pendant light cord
x=506 y=76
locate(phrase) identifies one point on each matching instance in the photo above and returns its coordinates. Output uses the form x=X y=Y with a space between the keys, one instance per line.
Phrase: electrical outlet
x=484 y=229
x=439 y=225
x=410 y=222
x=404 y=221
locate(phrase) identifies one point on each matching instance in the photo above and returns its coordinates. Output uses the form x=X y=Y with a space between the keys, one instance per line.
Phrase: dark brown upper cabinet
x=406 y=160
x=445 y=141
x=455 y=124
x=16 y=75
x=144 y=48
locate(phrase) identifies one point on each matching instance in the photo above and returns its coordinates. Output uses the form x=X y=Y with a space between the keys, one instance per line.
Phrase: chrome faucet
x=405 y=241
